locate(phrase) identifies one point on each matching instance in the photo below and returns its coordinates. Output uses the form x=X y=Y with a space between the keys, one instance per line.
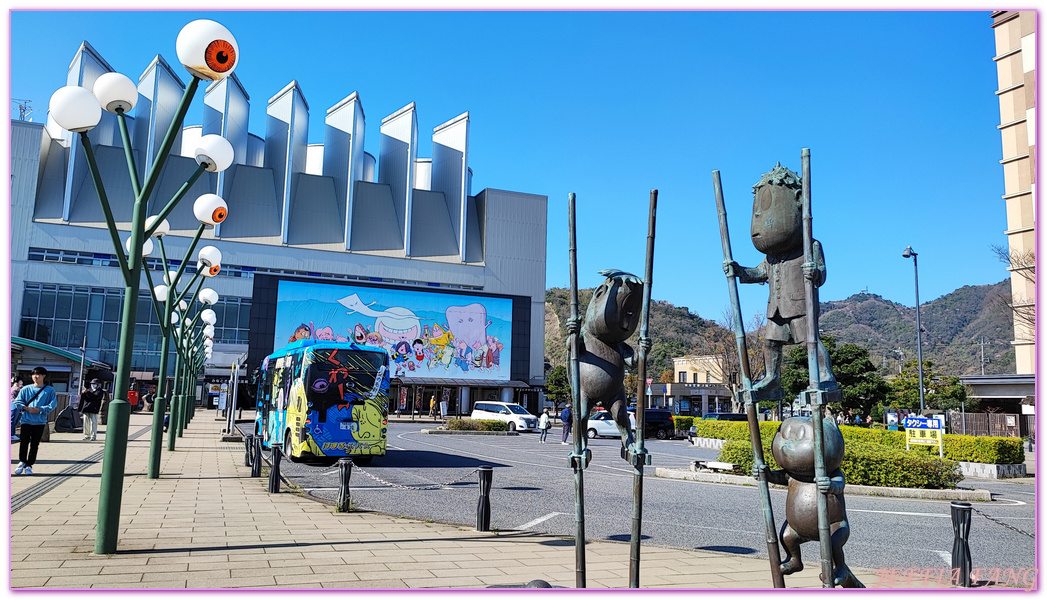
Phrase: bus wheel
x=287 y=447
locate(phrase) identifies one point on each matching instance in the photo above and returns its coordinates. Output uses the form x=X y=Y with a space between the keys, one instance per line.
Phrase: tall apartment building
x=1015 y=58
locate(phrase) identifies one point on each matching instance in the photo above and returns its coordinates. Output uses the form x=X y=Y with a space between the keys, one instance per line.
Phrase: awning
x=459 y=382
x=88 y=362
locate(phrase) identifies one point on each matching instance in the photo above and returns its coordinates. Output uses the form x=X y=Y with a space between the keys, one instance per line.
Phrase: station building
x=322 y=240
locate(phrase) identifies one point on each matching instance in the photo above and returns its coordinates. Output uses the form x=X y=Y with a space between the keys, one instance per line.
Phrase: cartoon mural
x=426 y=334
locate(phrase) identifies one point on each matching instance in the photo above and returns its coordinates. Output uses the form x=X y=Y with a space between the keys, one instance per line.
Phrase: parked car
x=514 y=414
x=658 y=422
x=602 y=424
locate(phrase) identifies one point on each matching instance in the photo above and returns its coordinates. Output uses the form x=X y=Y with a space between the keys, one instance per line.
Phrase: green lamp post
x=209 y=52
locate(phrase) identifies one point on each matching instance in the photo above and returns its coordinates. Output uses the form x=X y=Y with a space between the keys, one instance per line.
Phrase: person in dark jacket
x=91 y=401
x=565 y=417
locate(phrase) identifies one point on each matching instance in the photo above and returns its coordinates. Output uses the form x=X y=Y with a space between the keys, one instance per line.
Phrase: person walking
x=432 y=407
x=544 y=424
x=16 y=413
x=35 y=401
x=565 y=417
x=91 y=401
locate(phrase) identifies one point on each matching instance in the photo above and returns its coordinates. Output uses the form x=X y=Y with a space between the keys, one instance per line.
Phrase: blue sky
x=897 y=108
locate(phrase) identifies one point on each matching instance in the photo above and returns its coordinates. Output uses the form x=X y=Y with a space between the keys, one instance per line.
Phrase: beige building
x=1016 y=71
x=699 y=387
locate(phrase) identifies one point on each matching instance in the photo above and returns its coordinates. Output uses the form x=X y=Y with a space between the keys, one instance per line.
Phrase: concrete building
x=1015 y=58
x=325 y=215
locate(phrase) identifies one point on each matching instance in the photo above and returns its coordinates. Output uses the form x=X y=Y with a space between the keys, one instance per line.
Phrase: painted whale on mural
x=394 y=324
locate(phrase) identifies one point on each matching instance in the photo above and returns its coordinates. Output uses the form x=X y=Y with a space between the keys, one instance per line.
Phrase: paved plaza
x=206 y=523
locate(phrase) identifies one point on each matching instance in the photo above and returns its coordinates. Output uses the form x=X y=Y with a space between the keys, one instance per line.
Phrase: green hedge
x=868 y=464
x=476 y=425
x=967 y=448
x=682 y=422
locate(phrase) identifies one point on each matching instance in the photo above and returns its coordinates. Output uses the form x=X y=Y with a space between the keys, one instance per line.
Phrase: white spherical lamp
x=115 y=92
x=162 y=229
x=75 y=108
x=210 y=209
x=214 y=153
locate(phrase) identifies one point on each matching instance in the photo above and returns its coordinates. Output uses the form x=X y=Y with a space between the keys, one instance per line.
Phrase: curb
x=467 y=432
x=853 y=490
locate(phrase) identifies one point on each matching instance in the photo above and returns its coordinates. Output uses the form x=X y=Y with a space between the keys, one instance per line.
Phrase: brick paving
x=205 y=523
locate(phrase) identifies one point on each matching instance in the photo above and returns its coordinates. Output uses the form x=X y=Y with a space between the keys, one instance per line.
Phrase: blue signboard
x=922 y=423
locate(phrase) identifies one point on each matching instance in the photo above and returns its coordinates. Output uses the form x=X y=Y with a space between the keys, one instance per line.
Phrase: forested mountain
x=954 y=326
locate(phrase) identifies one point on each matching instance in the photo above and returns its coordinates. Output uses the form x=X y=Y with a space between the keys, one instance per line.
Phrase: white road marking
x=531 y=524
x=1015 y=502
x=891 y=512
x=945 y=556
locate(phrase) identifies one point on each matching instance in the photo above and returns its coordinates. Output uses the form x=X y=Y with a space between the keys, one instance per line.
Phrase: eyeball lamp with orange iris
x=210 y=209
x=207 y=50
x=209 y=261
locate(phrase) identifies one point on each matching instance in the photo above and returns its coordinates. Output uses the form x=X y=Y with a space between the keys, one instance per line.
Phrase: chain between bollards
x=961 y=550
x=345 y=471
x=483 y=507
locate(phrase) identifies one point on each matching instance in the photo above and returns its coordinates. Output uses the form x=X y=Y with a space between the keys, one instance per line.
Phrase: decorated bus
x=319 y=401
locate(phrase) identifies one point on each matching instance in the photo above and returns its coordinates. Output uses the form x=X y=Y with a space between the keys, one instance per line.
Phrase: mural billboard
x=427 y=334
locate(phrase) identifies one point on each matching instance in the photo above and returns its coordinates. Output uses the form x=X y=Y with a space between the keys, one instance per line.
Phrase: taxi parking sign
x=923 y=431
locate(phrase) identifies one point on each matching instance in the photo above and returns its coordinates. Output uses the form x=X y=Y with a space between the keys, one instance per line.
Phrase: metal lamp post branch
x=78 y=110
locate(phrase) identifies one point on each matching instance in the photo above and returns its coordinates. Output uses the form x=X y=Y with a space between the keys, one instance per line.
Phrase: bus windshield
x=342 y=377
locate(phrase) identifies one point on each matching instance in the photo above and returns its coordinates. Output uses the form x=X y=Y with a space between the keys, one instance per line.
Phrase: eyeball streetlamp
x=207 y=50
x=115 y=92
x=214 y=153
x=175 y=318
x=182 y=305
x=75 y=108
x=208 y=316
x=160 y=293
x=147 y=247
x=162 y=229
x=209 y=331
x=207 y=296
x=210 y=209
x=209 y=261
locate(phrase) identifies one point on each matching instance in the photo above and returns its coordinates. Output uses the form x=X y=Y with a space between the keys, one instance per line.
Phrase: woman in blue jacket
x=35 y=402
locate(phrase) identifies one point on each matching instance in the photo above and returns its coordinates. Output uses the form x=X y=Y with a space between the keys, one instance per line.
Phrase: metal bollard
x=483 y=508
x=248 y=444
x=345 y=471
x=256 y=456
x=274 y=471
x=961 y=550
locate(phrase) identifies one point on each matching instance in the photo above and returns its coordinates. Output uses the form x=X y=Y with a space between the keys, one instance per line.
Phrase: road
x=434 y=477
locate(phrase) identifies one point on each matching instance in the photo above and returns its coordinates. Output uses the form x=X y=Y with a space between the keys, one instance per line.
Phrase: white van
x=514 y=414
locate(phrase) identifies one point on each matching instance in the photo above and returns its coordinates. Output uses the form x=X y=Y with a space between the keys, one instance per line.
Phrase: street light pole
x=919 y=331
x=209 y=52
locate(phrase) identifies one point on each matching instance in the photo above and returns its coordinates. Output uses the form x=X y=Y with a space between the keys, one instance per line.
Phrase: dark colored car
x=658 y=423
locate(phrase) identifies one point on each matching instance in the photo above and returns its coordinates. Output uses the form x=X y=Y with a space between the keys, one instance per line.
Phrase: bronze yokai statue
x=612 y=316
x=777 y=231
x=793 y=448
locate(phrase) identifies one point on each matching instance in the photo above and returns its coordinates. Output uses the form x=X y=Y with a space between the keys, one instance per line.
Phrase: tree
x=667 y=376
x=942 y=392
x=558 y=387
x=862 y=386
x=1024 y=309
